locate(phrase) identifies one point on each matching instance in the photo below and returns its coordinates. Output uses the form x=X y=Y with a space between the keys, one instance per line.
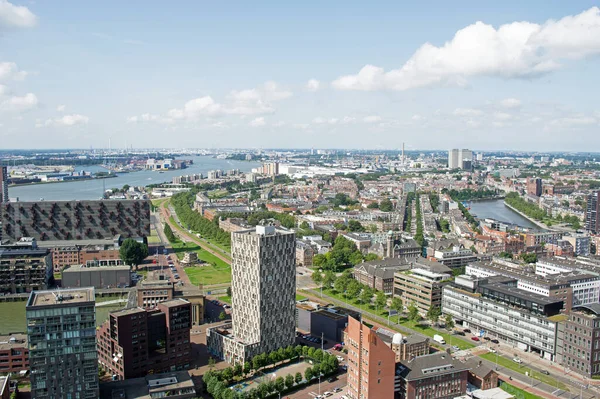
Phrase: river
x=93 y=189
x=495 y=209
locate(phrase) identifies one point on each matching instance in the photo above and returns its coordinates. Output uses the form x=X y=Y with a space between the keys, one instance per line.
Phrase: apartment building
x=172 y=385
x=14 y=353
x=24 y=267
x=578 y=340
x=263 y=290
x=592 y=213
x=420 y=287
x=134 y=342
x=437 y=376
x=3 y=185
x=371 y=363
x=501 y=310
x=61 y=330
x=304 y=254
x=151 y=292
x=379 y=274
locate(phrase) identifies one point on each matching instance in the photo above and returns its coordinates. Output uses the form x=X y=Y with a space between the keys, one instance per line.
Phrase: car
x=495 y=341
x=545 y=372
x=460 y=333
x=327 y=394
x=487 y=338
x=344 y=397
x=331 y=379
x=340 y=359
x=492 y=350
x=456 y=348
x=517 y=360
x=338 y=389
x=475 y=338
x=466 y=330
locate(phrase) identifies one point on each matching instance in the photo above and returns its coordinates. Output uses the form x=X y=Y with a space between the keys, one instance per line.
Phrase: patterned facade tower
x=3 y=184
x=263 y=288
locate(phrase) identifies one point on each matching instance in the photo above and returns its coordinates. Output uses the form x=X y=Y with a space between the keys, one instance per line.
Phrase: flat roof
x=84 y=268
x=143 y=387
x=520 y=293
x=61 y=297
x=76 y=243
x=13 y=341
x=127 y=311
x=174 y=302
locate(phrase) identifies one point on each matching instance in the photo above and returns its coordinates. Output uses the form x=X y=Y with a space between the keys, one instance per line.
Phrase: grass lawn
x=518 y=392
x=109 y=298
x=213 y=243
x=208 y=274
x=12 y=317
x=522 y=368
x=153 y=237
x=300 y=297
x=421 y=328
x=180 y=248
x=225 y=298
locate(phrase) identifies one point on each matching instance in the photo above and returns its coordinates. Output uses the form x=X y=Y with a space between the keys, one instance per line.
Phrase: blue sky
x=300 y=74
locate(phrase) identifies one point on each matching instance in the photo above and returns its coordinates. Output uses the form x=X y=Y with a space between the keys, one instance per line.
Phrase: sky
x=511 y=75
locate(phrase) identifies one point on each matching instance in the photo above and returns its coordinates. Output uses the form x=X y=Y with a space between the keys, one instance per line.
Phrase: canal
x=495 y=209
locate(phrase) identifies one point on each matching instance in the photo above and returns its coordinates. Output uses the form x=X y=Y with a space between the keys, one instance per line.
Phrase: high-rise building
x=592 y=219
x=24 y=267
x=3 y=184
x=263 y=291
x=61 y=329
x=134 y=342
x=534 y=186
x=460 y=159
x=371 y=363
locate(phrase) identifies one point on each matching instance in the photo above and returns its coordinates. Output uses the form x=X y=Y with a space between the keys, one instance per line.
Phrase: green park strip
x=180 y=248
x=208 y=274
x=523 y=368
x=214 y=246
x=518 y=392
x=404 y=322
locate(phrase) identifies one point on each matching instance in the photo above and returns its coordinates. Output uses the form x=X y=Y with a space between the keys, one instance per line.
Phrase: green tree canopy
x=133 y=252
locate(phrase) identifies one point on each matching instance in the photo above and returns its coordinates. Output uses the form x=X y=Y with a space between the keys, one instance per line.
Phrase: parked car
x=338 y=389
x=455 y=348
x=492 y=350
x=487 y=338
x=327 y=394
x=517 y=360
x=466 y=330
x=331 y=379
x=459 y=333
x=495 y=341
x=545 y=372
x=475 y=338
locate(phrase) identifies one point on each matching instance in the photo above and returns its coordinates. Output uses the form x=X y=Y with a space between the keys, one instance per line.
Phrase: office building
x=94 y=252
x=403 y=346
x=459 y=159
x=580 y=243
x=437 y=376
x=75 y=220
x=263 y=288
x=96 y=276
x=172 y=385
x=150 y=292
x=371 y=363
x=61 y=330
x=270 y=169
x=3 y=184
x=134 y=342
x=24 y=267
x=379 y=274
x=534 y=186
x=592 y=213
x=14 y=353
x=420 y=287
x=327 y=321
x=501 y=310
x=578 y=340
x=453 y=256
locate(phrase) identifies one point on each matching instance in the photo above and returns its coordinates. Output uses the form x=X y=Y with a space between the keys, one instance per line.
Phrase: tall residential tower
x=61 y=330
x=263 y=290
x=592 y=214
x=3 y=184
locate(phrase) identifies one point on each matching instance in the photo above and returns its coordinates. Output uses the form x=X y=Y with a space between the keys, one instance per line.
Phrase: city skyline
x=274 y=75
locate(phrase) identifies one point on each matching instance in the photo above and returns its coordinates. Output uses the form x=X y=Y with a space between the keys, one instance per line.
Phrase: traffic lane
x=313 y=390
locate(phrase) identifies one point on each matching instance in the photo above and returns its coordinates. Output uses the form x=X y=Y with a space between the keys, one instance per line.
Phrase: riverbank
x=62 y=181
x=537 y=223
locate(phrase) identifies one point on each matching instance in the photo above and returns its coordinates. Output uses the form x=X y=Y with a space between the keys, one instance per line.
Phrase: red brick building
x=371 y=363
x=14 y=354
x=135 y=342
x=437 y=376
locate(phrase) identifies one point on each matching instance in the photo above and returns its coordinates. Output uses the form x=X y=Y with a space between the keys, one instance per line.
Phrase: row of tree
x=182 y=203
x=217 y=382
x=343 y=254
x=470 y=194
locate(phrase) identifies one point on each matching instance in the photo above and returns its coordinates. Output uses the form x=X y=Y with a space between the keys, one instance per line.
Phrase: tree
x=237 y=370
x=279 y=384
x=319 y=260
x=328 y=279
x=211 y=363
x=380 y=300
x=227 y=374
x=529 y=258
x=373 y=205
x=298 y=378
x=371 y=257
x=397 y=306
x=222 y=316
x=133 y=252
x=289 y=381
x=304 y=226
x=247 y=367
x=433 y=314
x=353 y=289
x=341 y=284
x=413 y=313
x=317 y=277
x=449 y=321
x=366 y=295
x=372 y=228
x=308 y=374
x=169 y=233
x=354 y=225
x=229 y=292
x=386 y=206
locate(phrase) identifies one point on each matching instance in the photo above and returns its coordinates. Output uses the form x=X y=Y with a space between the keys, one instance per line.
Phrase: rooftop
x=174 y=302
x=83 y=268
x=145 y=387
x=64 y=297
x=429 y=366
x=13 y=341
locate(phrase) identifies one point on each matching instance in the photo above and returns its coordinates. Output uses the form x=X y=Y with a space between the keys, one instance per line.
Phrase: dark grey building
x=317 y=320
x=24 y=267
x=75 y=220
x=97 y=276
x=61 y=331
x=592 y=213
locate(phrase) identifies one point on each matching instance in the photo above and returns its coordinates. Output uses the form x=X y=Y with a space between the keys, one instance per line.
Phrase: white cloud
x=332 y=121
x=302 y=126
x=502 y=116
x=4 y=91
x=510 y=103
x=12 y=16
x=61 y=108
x=150 y=118
x=515 y=50
x=417 y=117
x=19 y=104
x=467 y=112
x=574 y=121
x=10 y=70
x=257 y=122
x=346 y=120
x=372 y=119
x=313 y=85
x=67 y=120
x=278 y=124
